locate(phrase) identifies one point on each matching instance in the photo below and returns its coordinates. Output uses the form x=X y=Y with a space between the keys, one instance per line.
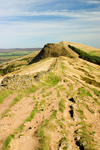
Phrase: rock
x=76 y=116
x=17 y=82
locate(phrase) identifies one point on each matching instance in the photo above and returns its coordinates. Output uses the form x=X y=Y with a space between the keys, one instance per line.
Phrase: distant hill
x=19 y=49
x=12 y=54
x=54 y=50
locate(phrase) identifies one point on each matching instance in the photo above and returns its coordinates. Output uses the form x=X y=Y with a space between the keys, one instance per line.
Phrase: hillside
x=85 y=48
x=52 y=103
x=54 y=50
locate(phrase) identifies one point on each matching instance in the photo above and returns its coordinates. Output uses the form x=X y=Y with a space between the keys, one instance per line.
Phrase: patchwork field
x=11 y=54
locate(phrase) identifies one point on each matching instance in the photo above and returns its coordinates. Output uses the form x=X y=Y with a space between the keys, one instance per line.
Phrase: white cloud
x=82 y=14
x=93 y=1
x=72 y=24
x=97 y=2
x=25 y=34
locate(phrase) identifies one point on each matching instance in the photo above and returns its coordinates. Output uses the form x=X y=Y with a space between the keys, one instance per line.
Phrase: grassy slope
x=53 y=100
x=15 y=64
x=87 y=49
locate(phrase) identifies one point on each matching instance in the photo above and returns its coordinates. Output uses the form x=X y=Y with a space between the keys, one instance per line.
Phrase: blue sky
x=33 y=23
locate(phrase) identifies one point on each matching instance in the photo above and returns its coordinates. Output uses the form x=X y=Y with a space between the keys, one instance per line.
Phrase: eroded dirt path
x=15 y=117
x=7 y=102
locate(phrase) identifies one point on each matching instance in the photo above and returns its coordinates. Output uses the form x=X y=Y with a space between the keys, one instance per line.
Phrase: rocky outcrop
x=17 y=82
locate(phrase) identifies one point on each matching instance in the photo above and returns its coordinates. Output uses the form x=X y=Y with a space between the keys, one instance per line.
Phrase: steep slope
x=54 y=50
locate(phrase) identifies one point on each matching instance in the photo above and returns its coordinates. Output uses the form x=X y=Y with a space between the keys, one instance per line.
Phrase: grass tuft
x=62 y=105
x=17 y=99
x=97 y=93
x=4 y=94
x=53 y=79
x=47 y=94
x=5 y=113
x=86 y=136
x=6 y=143
x=32 y=114
x=96 y=100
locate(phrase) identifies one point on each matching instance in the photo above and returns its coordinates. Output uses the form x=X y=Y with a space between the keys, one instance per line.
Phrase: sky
x=33 y=23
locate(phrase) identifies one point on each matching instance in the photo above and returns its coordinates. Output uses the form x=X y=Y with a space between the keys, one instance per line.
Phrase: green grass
x=97 y=92
x=88 y=94
x=70 y=85
x=5 y=113
x=31 y=90
x=68 y=93
x=95 y=53
x=34 y=98
x=61 y=87
x=48 y=94
x=54 y=115
x=61 y=124
x=91 y=81
x=8 y=56
x=86 y=56
x=32 y=114
x=87 y=107
x=64 y=132
x=44 y=141
x=43 y=90
x=58 y=93
x=81 y=113
x=4 y=94
x=99 y=110
x=71 y=124
x=83 y=92
x=86 y=136
x=20 y=128
x=62 y=142
x=6 y=143
x=42 y=102
x=96 y=100
x=16 y=100
x=52 y=79
x=63 y=69
x=62 y=105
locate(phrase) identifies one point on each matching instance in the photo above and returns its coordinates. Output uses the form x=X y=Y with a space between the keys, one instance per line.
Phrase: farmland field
x=8 y=55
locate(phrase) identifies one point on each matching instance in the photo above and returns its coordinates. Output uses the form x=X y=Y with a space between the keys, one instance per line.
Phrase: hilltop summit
x=54 y=50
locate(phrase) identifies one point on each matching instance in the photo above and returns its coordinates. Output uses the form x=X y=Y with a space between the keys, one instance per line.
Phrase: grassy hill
x=90 y=50
x=51 y=104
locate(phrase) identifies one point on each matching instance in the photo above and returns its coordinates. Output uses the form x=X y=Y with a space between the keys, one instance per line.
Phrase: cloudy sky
x=33 y=23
